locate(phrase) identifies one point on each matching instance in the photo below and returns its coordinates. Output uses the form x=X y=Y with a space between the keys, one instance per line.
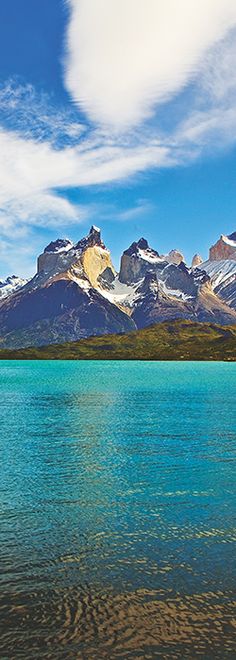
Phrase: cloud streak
x=35 y=115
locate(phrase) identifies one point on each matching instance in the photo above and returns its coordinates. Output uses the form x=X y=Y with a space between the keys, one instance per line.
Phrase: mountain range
x=77 y=293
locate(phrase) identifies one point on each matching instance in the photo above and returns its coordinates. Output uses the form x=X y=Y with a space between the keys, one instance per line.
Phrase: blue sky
x=119 y=117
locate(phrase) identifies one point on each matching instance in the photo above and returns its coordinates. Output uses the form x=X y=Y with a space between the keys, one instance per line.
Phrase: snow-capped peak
x=142 y=250
x=93 y=238
x=60 y=245
x=229 y=240
x=10 y=285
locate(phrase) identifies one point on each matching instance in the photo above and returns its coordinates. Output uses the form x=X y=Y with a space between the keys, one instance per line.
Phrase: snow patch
x=148 y=255
x=228 y=241
x=10 y=285
x=120 y=293
x=175 y=293
x=219 y=271
x=66 y=248
x=59 y=246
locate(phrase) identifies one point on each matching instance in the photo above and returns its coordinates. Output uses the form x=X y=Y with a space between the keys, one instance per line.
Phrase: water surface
x=117 y=510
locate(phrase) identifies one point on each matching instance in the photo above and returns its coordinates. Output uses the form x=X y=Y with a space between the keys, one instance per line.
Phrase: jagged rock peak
x=92 y=239
x=196 y=261
x=224 y=248
x=140 y=248
x=136 y=260
x=95 y=230
x=175 y=257
x=64 y=244
x=60 y=245
x=11 y=279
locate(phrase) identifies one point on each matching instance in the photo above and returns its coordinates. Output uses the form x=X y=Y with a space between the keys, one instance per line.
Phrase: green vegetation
x=177 y=340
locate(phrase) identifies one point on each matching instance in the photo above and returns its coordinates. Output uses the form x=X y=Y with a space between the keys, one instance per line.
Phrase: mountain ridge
x=76 y=292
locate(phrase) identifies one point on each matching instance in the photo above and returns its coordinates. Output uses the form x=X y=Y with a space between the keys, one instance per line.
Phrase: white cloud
x=126 y=56
x=30 y=169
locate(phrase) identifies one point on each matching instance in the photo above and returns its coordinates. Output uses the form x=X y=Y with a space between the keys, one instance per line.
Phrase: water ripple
x=117 y=510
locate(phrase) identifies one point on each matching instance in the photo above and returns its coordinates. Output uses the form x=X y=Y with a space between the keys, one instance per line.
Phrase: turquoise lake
x=117 y=536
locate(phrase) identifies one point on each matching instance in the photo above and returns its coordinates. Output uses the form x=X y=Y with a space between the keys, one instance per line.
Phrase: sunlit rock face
x=225 y=248
x=140 y=257
x=95 y=261
x=196 y=261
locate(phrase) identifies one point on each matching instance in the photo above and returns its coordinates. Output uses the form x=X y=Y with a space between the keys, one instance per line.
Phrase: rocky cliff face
x=136 y=260
x=139 y=258
x=88 y=260
x=158 y=289
x=53 y=255
x=225 y=248
x=96 y=262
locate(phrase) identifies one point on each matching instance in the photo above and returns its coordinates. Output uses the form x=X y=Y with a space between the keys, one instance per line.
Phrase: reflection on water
x=117 y=509
x=85 y=623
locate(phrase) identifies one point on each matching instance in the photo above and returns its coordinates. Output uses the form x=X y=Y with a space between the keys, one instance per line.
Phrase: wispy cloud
x=29 y=168
x=139 y=210
x=210 y=122
x=36 y=115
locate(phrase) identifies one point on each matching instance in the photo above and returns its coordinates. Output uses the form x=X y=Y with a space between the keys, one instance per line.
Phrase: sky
x=119 y=113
